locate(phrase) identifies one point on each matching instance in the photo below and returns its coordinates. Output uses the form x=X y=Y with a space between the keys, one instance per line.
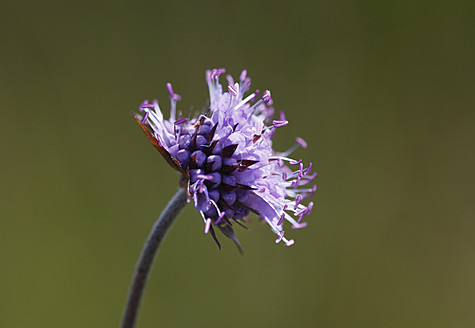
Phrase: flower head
x=226 y=159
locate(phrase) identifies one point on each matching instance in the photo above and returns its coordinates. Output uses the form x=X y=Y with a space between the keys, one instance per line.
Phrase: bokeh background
x=383 y=91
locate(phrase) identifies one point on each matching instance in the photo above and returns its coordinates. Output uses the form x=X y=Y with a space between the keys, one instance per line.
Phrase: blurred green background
x=383 y=91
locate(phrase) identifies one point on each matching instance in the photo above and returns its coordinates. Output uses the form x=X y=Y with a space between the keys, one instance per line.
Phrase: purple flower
x=226 y=159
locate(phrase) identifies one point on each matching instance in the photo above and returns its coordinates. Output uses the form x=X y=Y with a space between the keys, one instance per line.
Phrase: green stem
x=147 y=256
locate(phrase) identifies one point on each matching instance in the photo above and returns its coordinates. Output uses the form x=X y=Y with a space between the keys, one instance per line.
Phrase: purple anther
x=225 y=153
x=266 y=97
x=281 y=219
x=281 y=235
x=279 y=124
x=301 y=142
x=180 y=121
x=290 y=242
x=145 y=117
x=141 y=107
x=309 y=168
x=301 y=211
x=232 y=91
x=207 y=225
x=297 y=201
x=220 y=218
x=204 y=176
x=299 y=225
x=215 y=73
x=309 y=208
x=145 y=104
x=300 y=169
x=243 y=75
x=295 y=162
x=194 y=174
x=314 y=188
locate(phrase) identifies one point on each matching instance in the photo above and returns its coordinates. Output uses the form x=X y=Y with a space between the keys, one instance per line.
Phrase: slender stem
x=149 y=250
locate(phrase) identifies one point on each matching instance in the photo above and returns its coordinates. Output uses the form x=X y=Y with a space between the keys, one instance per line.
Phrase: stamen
x=297 y=201
x=204 y=177
x=295 y=162
x=145 y=117
x=313 y=189
x=309 y=168
x=266 y=96
x=243 y=75
x=173 y=95
x=232 y=91
x=301 y=211
x=299 y=225
x=308 y=178
x=301 y=142
x=281 y=235
x=220 y=218
x=215 y=73
x=300 y=169
x=207 y=225
x=180 y=121
x=281 y=220
x=244 y=101
x=290 y=242
x=145 y=104
x=279 y=124
x=309 y=208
